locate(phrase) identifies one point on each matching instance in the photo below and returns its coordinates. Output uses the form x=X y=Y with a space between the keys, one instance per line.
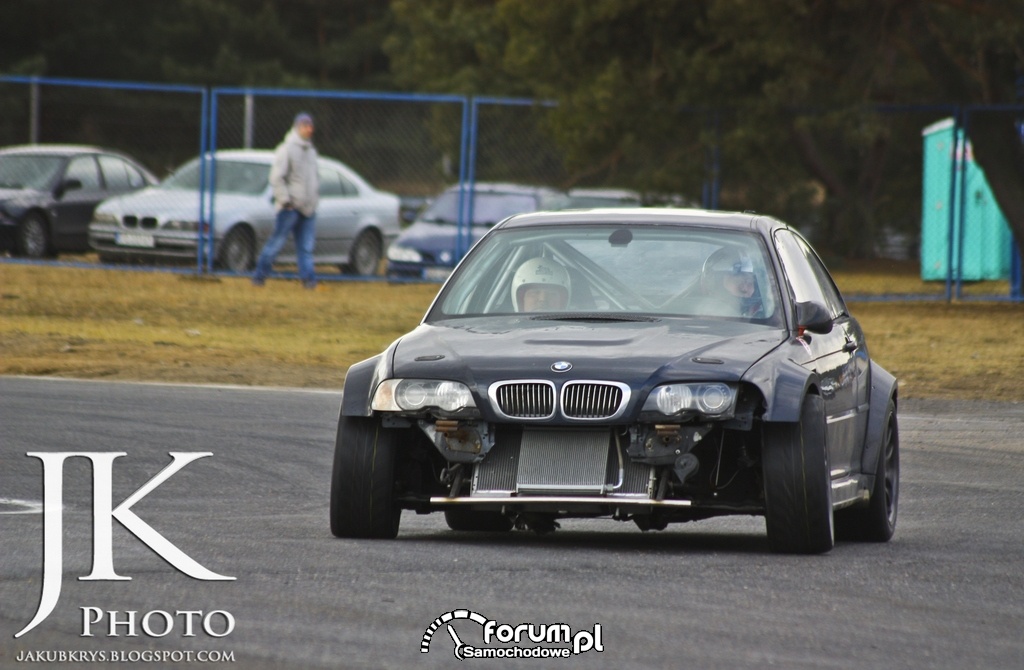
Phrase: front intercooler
x=552 y=462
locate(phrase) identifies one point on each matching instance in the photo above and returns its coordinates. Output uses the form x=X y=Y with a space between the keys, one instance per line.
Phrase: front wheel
x=877 y=521
x=34 y=237
x=797 y=483
x=364 y=503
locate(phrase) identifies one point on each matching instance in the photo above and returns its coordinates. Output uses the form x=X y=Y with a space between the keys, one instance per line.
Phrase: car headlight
x=709 y=398
x=105 y=218
x=403 y=254
x=410 y=395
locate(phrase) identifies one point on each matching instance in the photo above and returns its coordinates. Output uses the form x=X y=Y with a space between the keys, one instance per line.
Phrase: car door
x=337 y=217
x=832 y=355
x=75 y=198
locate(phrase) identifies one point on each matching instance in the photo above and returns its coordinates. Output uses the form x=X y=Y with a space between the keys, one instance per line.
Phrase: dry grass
x=90 y=323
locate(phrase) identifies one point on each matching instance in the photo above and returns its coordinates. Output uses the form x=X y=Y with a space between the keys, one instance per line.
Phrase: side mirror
x=813 y=317
x=68 y=185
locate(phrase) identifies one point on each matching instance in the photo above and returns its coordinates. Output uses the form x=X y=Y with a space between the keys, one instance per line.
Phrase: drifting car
x=647 y=365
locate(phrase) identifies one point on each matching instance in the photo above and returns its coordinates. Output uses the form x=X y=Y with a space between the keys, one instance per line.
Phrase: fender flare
x=783 y=384
x=362 y=380
x=884 y=387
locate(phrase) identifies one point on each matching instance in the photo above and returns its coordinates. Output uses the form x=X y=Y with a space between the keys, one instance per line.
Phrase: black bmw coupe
x=645 y=365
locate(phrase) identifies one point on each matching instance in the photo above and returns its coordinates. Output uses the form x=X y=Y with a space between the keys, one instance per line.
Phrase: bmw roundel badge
x=561 y=366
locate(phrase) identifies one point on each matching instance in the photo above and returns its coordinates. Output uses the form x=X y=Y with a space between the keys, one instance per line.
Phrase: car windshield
x=615 y=272
x=240 y=177
x=488 y=208
x=35 y=172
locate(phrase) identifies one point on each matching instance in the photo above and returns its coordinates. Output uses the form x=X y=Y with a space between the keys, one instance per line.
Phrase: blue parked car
x=427 y=248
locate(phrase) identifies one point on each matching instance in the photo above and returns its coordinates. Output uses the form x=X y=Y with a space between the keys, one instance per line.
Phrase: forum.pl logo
x=526 y=640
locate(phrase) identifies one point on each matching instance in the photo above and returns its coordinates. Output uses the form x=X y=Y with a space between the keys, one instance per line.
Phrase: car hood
x=172 y=204
x=641 y=354
x=21 y=194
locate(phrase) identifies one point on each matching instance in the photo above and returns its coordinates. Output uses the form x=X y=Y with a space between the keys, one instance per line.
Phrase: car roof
x=605 y=192
x=262 y=156
x=57 y=149
x=253 y=155
x=506 y=187
x=626 y=216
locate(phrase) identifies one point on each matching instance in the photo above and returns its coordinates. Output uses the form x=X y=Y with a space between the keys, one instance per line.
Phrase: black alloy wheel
x=877 y=521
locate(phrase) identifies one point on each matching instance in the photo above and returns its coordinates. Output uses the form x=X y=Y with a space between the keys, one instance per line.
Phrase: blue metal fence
x=413 y=144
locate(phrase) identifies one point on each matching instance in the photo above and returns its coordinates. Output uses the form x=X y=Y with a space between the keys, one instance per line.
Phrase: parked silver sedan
x=355 y=222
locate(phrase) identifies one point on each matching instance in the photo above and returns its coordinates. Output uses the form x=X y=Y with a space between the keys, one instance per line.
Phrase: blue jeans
x=303 y=228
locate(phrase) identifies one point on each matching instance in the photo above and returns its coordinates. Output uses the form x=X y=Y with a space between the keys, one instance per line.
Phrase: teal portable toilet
x=984 y=232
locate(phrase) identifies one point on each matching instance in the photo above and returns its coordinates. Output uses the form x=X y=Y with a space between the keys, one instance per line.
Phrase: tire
x=364 y=256
x=877 y=521
x=475 y=521
x=34 y=237
x=363 y=499
x=797 y=483
x=238 y=252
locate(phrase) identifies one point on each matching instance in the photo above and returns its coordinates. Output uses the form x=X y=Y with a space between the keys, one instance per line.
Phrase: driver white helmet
x=538 y=272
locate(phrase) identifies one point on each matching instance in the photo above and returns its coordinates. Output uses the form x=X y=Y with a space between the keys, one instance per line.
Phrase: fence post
x=1016 y=279
x=962 y=203
x=249 y=120
x=467 y=181
x=33 y=111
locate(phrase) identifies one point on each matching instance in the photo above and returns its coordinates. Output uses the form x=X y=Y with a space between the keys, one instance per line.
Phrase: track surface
x=947 y=592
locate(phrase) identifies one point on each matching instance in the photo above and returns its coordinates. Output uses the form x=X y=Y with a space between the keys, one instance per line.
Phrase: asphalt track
x=947 y=592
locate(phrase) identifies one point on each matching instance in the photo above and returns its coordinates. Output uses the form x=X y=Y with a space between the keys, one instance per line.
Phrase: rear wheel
x=365 y=254
x=877 y=521
x=473 y=520
x=34 y=237
x=797 y=483
x=363 y=497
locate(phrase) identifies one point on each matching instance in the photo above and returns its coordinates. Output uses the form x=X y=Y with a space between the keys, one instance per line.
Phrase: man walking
x=296 y=187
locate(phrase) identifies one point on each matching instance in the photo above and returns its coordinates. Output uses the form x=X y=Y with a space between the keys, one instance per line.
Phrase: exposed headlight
x=186 y=226
x=105 y=218
x=710 y=398
x=410 y=395
x=403 y=254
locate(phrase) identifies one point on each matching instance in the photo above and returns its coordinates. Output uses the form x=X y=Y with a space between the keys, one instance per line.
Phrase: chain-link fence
x=891 y=191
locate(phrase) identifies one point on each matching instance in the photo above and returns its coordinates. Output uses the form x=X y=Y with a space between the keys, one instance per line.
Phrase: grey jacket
x=293 y=175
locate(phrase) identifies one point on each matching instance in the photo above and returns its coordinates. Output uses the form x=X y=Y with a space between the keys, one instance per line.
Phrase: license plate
x=436 y=274
x=136 y=240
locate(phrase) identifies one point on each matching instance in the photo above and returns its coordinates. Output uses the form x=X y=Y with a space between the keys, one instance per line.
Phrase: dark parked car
x=429 y=248
x=48 y=194
x=650 y=365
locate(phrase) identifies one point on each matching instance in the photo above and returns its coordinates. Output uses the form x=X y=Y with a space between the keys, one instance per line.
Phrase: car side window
x=84 y=169
x=347 y=187
x=330 y=183
x=808 y=278
x=115 y=173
